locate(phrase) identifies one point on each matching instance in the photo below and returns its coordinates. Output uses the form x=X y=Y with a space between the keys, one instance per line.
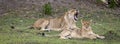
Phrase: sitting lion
x=84 y=32
x=68 y=20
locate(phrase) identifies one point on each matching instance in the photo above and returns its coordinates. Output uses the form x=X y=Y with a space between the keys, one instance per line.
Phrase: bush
x=47 y=9
x=112 y=3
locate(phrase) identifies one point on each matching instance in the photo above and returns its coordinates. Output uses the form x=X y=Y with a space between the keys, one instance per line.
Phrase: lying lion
x=84 y=32
x=68 y=20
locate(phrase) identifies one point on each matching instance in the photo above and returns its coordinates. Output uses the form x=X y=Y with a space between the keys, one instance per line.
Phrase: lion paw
x=102 y=37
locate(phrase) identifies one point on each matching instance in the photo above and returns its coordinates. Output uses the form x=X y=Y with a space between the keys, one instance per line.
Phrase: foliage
x=47 y=9
x=112 y=4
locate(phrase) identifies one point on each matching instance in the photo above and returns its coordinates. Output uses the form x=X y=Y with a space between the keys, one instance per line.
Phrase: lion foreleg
x=65 y=34
x=44 y=25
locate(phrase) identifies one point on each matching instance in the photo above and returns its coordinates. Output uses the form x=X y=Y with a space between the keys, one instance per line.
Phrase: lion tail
x=30 y=27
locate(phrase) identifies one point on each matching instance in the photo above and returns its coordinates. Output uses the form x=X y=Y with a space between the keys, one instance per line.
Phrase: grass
x=102 y=24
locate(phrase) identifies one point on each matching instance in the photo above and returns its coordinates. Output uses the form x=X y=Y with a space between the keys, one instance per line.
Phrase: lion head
x=86 y=24
x=72 y=14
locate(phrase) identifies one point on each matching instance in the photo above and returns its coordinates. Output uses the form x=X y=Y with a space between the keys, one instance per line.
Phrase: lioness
x=68 y=20
x=84 y=32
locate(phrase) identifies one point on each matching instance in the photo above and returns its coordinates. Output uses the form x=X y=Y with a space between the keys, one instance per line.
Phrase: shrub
x=47 y=9
x=112 y=3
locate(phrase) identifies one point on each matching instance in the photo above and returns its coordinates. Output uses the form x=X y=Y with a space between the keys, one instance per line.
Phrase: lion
x=84 y=32
x=68 y=20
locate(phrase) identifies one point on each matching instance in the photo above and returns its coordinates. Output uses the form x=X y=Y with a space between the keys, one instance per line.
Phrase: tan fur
x=58 y=24
x=84 y=32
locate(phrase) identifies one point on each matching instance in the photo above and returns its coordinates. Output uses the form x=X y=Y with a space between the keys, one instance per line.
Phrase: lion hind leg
x=91 y=36
x=101 y=37
x=94 y=36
